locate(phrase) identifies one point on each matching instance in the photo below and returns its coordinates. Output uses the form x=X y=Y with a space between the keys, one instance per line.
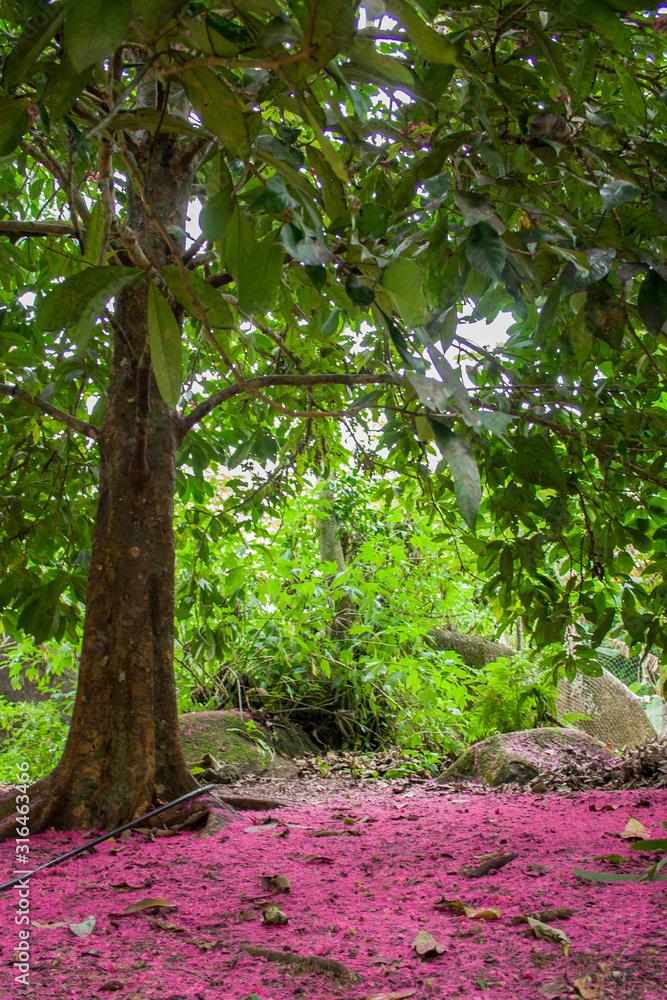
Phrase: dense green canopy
x=370 y=181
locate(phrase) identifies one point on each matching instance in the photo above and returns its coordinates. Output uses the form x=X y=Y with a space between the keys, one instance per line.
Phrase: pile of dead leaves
x=387 y=763
x=641 y=767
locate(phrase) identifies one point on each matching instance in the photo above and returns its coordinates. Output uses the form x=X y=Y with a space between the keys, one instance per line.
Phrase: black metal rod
x=107 y=836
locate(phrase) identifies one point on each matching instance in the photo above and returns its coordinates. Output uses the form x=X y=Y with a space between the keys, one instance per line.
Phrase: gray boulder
x=520 y=757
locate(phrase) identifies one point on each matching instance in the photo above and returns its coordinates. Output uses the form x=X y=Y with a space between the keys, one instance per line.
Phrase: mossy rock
x=520 y=757
x=474 y=650
x=226 y=737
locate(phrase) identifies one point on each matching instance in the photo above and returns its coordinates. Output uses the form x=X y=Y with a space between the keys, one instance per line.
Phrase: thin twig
x=253 y=386
x=212 y=61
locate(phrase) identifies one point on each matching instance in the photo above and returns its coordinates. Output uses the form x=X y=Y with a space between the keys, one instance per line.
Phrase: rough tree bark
x=123 y=750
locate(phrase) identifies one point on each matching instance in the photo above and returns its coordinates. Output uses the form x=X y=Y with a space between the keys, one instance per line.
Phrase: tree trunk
x=331 y=550
x=123 y=748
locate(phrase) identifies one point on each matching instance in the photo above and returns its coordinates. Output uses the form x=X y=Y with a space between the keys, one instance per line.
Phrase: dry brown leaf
x=166 y=925
x=203 y=944
x=586 y=989
x=262 y=827
x=449 y=904
x=274 y=916
x=469 y=932
x=425 y=944
x=550 y=933
x=129 y=886
x=484 y=913
x=317 y=857
x=558 y=913
x=635 y=830
x=554 y=991
x=398 y=995
x=279 y=883
x=148 y=904
x=490 y=862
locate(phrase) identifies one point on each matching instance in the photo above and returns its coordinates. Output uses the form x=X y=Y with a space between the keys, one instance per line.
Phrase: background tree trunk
x=331 y=550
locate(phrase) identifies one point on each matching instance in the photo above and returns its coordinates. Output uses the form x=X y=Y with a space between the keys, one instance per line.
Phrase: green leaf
x=402 y=281
x=333 y=194
x=165 y=344
x=237 y=242
x=259 y=277
x=585 y=70
x=603 y=21
x=62 y=89
x=433 y=394
x=610 y=877
x=535 y=462
x=631 y=94
x=581 y=337
x=94 y=29
x=38 y=31
x=604 y=624
x=213 y=216
x=547 y=315
x=217 y=311
x=459 y=457
x=83 y=295
x=95 y=233
x=495 y=422
x=649 y=845
x=615 y=193
x=274 y=197
x=434 y=47
x=399 y=341
x=485 y=250
x=359 y=292
x=306 y=249
x=369 y=63
x=329 y=151
x=219 y=110
x=652 y=302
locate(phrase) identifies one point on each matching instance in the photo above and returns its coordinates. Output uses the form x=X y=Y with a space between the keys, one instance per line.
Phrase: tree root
x=305 y=962
x=51 y=803
x=248 y=802
x=42 y=809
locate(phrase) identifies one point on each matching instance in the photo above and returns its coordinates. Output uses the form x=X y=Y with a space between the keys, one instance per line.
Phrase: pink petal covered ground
x=359 y=897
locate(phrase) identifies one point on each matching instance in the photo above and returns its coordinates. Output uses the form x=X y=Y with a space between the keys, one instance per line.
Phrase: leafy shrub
x=258 y=630
x=509 y=695
x=32 y=733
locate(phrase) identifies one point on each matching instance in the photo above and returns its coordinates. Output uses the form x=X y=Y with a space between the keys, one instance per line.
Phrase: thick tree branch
x=10 y=227
x=50 y=411
x=119 y=231
x=253 y=386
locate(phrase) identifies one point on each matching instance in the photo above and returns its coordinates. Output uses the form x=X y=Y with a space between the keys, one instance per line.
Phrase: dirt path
x=366 y=864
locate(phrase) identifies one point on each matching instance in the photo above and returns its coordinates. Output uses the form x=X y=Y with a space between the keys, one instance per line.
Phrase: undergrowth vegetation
x=344 y=650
